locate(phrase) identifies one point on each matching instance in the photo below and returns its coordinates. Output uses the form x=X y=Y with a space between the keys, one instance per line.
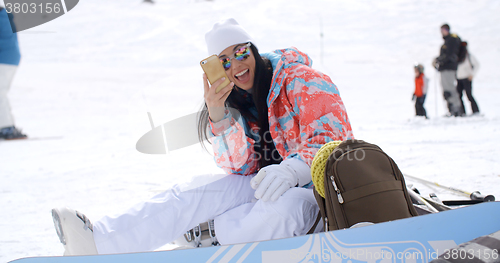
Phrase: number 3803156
x=33 y=8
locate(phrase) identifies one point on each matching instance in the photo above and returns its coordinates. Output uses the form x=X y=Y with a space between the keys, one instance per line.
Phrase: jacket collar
x=281 y=60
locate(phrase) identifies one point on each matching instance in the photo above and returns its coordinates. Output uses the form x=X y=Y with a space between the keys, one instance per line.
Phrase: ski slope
x=87 y=80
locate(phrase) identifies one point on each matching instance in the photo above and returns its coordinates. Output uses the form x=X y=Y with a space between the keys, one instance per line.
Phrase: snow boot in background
x=75 y=232
x=11 y=133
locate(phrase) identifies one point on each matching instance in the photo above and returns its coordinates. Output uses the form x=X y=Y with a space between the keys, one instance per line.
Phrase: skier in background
x=467 y=69
x=9 y=61
x=288 y=111
x=447 y=63
x=421 y=85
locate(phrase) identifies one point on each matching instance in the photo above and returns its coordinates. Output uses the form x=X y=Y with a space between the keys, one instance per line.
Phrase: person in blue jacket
x=9 y=61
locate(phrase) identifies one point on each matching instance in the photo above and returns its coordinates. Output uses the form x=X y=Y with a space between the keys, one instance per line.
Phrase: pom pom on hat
x=225 y=34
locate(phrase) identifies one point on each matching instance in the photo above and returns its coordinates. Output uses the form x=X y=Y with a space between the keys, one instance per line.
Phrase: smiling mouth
x=241 y=73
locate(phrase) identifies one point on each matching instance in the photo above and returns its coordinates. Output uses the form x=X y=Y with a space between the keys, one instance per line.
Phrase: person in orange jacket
x=421 y=84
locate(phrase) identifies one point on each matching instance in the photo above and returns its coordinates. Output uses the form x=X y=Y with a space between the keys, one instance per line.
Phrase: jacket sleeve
x=233 y=149
x=318 y=111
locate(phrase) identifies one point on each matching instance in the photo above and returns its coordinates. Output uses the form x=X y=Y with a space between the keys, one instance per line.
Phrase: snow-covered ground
x=87 y=80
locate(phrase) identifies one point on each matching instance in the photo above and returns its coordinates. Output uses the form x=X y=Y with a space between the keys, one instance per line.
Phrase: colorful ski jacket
x=420 y=85
x=305 y=111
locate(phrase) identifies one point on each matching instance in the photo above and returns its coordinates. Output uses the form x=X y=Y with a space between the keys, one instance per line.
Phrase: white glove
x=274 y=180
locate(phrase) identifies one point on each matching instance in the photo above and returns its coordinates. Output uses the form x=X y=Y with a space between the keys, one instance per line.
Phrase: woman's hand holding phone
x=216 y=101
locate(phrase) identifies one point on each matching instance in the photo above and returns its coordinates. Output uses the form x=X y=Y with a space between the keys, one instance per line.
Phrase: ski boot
x=75 y=232
x=11 y=133
x=202 y=235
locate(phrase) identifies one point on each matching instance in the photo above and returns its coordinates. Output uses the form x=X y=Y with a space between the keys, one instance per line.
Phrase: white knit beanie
x=225 y=34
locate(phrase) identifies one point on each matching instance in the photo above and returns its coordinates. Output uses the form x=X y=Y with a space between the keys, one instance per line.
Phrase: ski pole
x=436 y=92
x=476 y=195
x=321 y=39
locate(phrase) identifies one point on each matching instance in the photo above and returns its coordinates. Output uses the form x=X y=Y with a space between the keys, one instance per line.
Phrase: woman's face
x=241 y=73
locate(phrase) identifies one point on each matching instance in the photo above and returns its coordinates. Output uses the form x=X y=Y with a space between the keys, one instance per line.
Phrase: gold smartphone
x=215 y=71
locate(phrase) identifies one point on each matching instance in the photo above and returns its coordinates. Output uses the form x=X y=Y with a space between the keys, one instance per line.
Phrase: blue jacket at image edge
x=9 y=47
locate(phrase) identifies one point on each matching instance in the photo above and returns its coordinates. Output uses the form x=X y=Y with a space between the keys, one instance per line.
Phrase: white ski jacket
x=468 y=67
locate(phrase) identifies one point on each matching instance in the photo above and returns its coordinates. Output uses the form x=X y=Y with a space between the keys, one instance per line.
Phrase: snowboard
x=417 y=239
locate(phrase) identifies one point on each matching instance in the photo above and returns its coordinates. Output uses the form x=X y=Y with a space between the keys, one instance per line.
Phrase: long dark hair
x=264 y=146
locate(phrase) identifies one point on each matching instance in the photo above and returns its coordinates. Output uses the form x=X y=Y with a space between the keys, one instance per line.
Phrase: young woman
x=466 y=71
x=265 y=128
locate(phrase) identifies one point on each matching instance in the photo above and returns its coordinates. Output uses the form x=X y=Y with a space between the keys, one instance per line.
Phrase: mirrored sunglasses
x=241 y=54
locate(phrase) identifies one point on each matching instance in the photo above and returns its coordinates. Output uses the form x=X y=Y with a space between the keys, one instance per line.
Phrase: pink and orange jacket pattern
x=305 y=111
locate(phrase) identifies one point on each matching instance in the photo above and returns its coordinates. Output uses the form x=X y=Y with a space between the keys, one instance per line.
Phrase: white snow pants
x=229 y=201
x=6 y=75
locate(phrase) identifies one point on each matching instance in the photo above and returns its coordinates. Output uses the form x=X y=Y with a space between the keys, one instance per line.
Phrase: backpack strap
x=470 y=61
x=315 y=224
